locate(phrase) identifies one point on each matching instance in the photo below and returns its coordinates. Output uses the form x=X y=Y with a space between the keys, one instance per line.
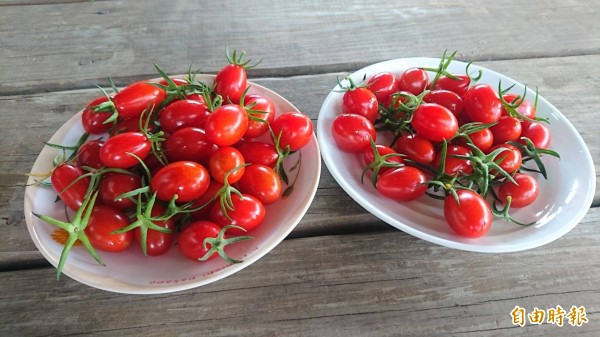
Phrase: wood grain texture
x=75 y=45
x=378 y=284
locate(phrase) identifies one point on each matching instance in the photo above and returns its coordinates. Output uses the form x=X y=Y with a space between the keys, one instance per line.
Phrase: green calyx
x=218 y=244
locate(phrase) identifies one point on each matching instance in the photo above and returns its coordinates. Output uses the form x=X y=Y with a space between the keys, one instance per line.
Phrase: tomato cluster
x=453 y=139
x=177 y=160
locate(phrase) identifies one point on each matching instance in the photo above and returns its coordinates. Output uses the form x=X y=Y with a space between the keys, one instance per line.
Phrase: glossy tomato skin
x=525 y=108
x=522 y=194
x=434 y=122
x=402 y=184
x=115 y=151
x=506 y=129
x=189 y=143
x=413 y=80
x=93 y=122
x=114 y=184
x=183 y=113
x=188 y=179
x=383 y=85
x=191 y=239
x=223 y=161
x=369 y=157
x=455 y=165
x=296 y=130
x=88 y=154
x=352 y=133
x=230 y=83
x=261 y=182
x=248 y=212
x=103 y=221
x=226 y=125
x=207 y=199
x=259 y=103
x=469 y=217
x=360 y=101
x=446 y=98
x=62 y=177
x=416 y=148
x=483 y=139
x=482 y=104
x=132 y=100
x=256 y=152
x=157 y=243
x=460 y=85
x=538 y=133
x=510 y=159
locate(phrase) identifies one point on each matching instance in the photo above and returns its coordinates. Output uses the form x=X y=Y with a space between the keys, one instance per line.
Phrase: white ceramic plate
x=132 y=272
x=563 y=201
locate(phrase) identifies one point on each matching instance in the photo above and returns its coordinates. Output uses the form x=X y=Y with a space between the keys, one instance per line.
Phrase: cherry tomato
x=230 y=83
x=132 y=100
x=483 y=139
x=258 y=153
x=223 y=161
x=459 y=85
x=62 y=177
x=295 y=128
x=191 y=239
x=525 y=108
x=205 y=201
x=455 y=165
x=157 y=243
x=93 y=122
x=114 y=184
x=352 y=133
x=258 y=128
x=416 y=148
x=226 y=125
x=261 y=182
x=383 y=85
x=510 y=158
x=188 y=143
x=506 y=129
x=369 y=157
x=103 y=221
x=482 y=104
x=402 y=184
x=446 y=98
x=434 y=122
x=178 y=81
x=183 y=113
x=470 y=216
x=130 y=125
x=413 y=80
x=538 y=133
x=522 y=194
x=248 y=212
x=360 y=101
x=186 y=179
x=115 y=151
x=88 y=154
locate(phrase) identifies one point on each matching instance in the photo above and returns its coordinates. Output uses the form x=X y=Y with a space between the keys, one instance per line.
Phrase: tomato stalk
x=503 y=213
x=532 y=153
x=378 y=163
x=218 y=244
x=511 y=107
x=281 y=155
x=238 y=59
x=441 y=69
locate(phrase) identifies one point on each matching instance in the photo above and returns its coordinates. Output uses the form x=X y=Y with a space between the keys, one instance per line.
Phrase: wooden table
x=341 y=272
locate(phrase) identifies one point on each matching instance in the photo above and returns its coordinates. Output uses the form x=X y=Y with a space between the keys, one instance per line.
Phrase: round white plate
x=563 y=201
x=132 y=272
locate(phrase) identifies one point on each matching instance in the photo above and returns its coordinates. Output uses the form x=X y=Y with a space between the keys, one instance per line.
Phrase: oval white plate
x=132 y=272
x=564 y=199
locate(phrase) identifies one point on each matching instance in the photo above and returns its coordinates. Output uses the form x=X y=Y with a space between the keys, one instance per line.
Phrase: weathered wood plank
x=74 y=45
x=28 y=120
x=382 y=284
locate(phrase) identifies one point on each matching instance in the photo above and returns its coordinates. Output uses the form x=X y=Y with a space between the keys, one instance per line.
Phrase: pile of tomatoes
x=176 y=160
x=453 y=139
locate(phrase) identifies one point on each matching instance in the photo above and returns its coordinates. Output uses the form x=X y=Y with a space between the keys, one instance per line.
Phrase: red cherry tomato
x=538 y=133
x=507 y=129
x=402 y=184
x=103 y=221
x=186 y=179
x=413 y=80
x=191 y=239
x=482 y=104
x=459 y=85
x=115 y=151
x=483 y=139
x=258 y=128
x=230 y=83
x=522 y=194
x=183 y=113
x=455 y=165
x=360 y=101
x=248 y=212
x=448 y=99
x=115 y=184
x=261 y=182
x=130 y=125
x=223 y=161
x=93 y=122
x=416 y=148
x=132 y=100
x=434 y=122
x=255 y=152
x=352 y=133
x=510 y=158
x=88 y=154
x=383 y=85
x=369 y=157
x=62 y=177
x=157 y=243
x=188 y=143
x=206 y=201
x=226 y=125
x=470 y=216
x=525 y=108
x=295 y=128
